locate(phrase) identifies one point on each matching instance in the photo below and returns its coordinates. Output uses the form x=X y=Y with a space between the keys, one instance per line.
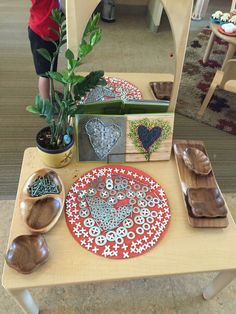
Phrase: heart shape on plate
x=117 y=223
x=103 y=137
x=148 y=136
x=105 y=215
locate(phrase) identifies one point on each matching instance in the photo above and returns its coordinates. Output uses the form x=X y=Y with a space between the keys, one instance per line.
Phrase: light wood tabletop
x=182 y=250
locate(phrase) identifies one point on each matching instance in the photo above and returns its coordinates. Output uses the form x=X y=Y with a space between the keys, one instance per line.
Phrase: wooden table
x=229 y=39
x=182 y=250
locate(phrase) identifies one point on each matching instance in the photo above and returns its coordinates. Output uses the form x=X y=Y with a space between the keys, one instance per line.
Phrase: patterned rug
x=196 y=79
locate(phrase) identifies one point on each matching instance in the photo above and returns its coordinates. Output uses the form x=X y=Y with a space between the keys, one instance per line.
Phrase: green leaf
x=58 y=100
x=95 y=38
x=69 y=55
x=73 y=64
x=84 y=50
x=43 y=52
x=91 y=81
x=53 y=42
x=63 y=33
x=94 y=21
x=79 y=78
x=66 y=75
x=92 y=24
x=55 y=32
x=55 y=16
x=63 y=27
x=56 y=76
x=63 y=42
x=58 y=16
x=32 y=109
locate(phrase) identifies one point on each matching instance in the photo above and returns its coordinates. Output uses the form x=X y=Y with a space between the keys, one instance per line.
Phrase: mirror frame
x=179 y=12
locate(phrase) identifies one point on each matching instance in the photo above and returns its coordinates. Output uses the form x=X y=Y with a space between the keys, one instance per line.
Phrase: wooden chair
x=224 y=79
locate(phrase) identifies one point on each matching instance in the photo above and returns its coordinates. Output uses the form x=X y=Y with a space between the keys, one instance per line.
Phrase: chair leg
x=208 y=48
x=200 y=9
x=206 y=100
x=229 y=54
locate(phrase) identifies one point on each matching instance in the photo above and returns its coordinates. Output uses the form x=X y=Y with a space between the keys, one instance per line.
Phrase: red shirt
x=40 y=21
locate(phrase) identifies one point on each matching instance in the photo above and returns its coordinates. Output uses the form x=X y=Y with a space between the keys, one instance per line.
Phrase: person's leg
x=43 y=85
x=42 y=66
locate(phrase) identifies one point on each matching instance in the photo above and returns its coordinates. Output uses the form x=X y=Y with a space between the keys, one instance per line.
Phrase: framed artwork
x=124 y=138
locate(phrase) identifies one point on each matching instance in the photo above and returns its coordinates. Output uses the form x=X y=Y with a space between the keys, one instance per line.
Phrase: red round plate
x=117 y=211
x=220 y=29
x=116 y=88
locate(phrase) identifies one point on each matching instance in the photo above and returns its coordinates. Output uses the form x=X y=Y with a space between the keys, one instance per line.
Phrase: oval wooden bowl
x=206 y=202
x=27 y=252
x=196 y=161
x=41 y=213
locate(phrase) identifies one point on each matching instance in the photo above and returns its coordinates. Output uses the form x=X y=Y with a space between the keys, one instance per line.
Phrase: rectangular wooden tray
x=189 y=179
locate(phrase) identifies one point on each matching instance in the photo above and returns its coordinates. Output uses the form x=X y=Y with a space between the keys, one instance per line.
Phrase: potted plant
x=55 y=142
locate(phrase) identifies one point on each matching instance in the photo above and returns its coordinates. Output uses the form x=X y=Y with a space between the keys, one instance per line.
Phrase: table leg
x=218 y=283
x=208 y=48
x=24 y=298
x=229 y=54
x=200 y=9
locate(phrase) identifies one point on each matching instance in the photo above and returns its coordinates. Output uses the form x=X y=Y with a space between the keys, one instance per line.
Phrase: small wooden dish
x=189 y=180
x=41 y=213
x=197 y=161
x=27 y=253
x=161 y=90
x=206 y=202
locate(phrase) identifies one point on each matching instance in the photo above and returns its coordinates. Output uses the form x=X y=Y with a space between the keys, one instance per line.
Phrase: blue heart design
x=148 y=137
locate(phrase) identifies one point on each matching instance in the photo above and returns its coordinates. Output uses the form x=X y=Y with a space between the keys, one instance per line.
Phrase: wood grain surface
x=189 y=179
x=180 y=251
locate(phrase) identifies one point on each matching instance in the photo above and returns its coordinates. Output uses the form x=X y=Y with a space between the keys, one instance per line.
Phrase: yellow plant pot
x=56 y=158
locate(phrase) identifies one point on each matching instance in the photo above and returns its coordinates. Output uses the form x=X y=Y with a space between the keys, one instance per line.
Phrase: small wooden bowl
x=206 y=202
x=196 y=161
x=41 y=213
x=162 y=90
x=27 y=253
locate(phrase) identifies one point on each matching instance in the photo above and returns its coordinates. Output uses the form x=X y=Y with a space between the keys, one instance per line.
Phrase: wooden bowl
x=40 y=213
x=162 y=90
x=206 y=202
x=27 y=253
x=196 y=161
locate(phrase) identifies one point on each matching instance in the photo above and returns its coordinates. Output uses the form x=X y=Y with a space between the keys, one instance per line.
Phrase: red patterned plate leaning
x=116 y=88
x=117 y=211
x=220 y=29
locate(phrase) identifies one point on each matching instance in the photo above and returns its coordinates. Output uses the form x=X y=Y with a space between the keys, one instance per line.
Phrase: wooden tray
x=189 y=179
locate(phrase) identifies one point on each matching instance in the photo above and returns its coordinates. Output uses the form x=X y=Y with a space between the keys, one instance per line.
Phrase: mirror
x=134 y=60
x=130 y=48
